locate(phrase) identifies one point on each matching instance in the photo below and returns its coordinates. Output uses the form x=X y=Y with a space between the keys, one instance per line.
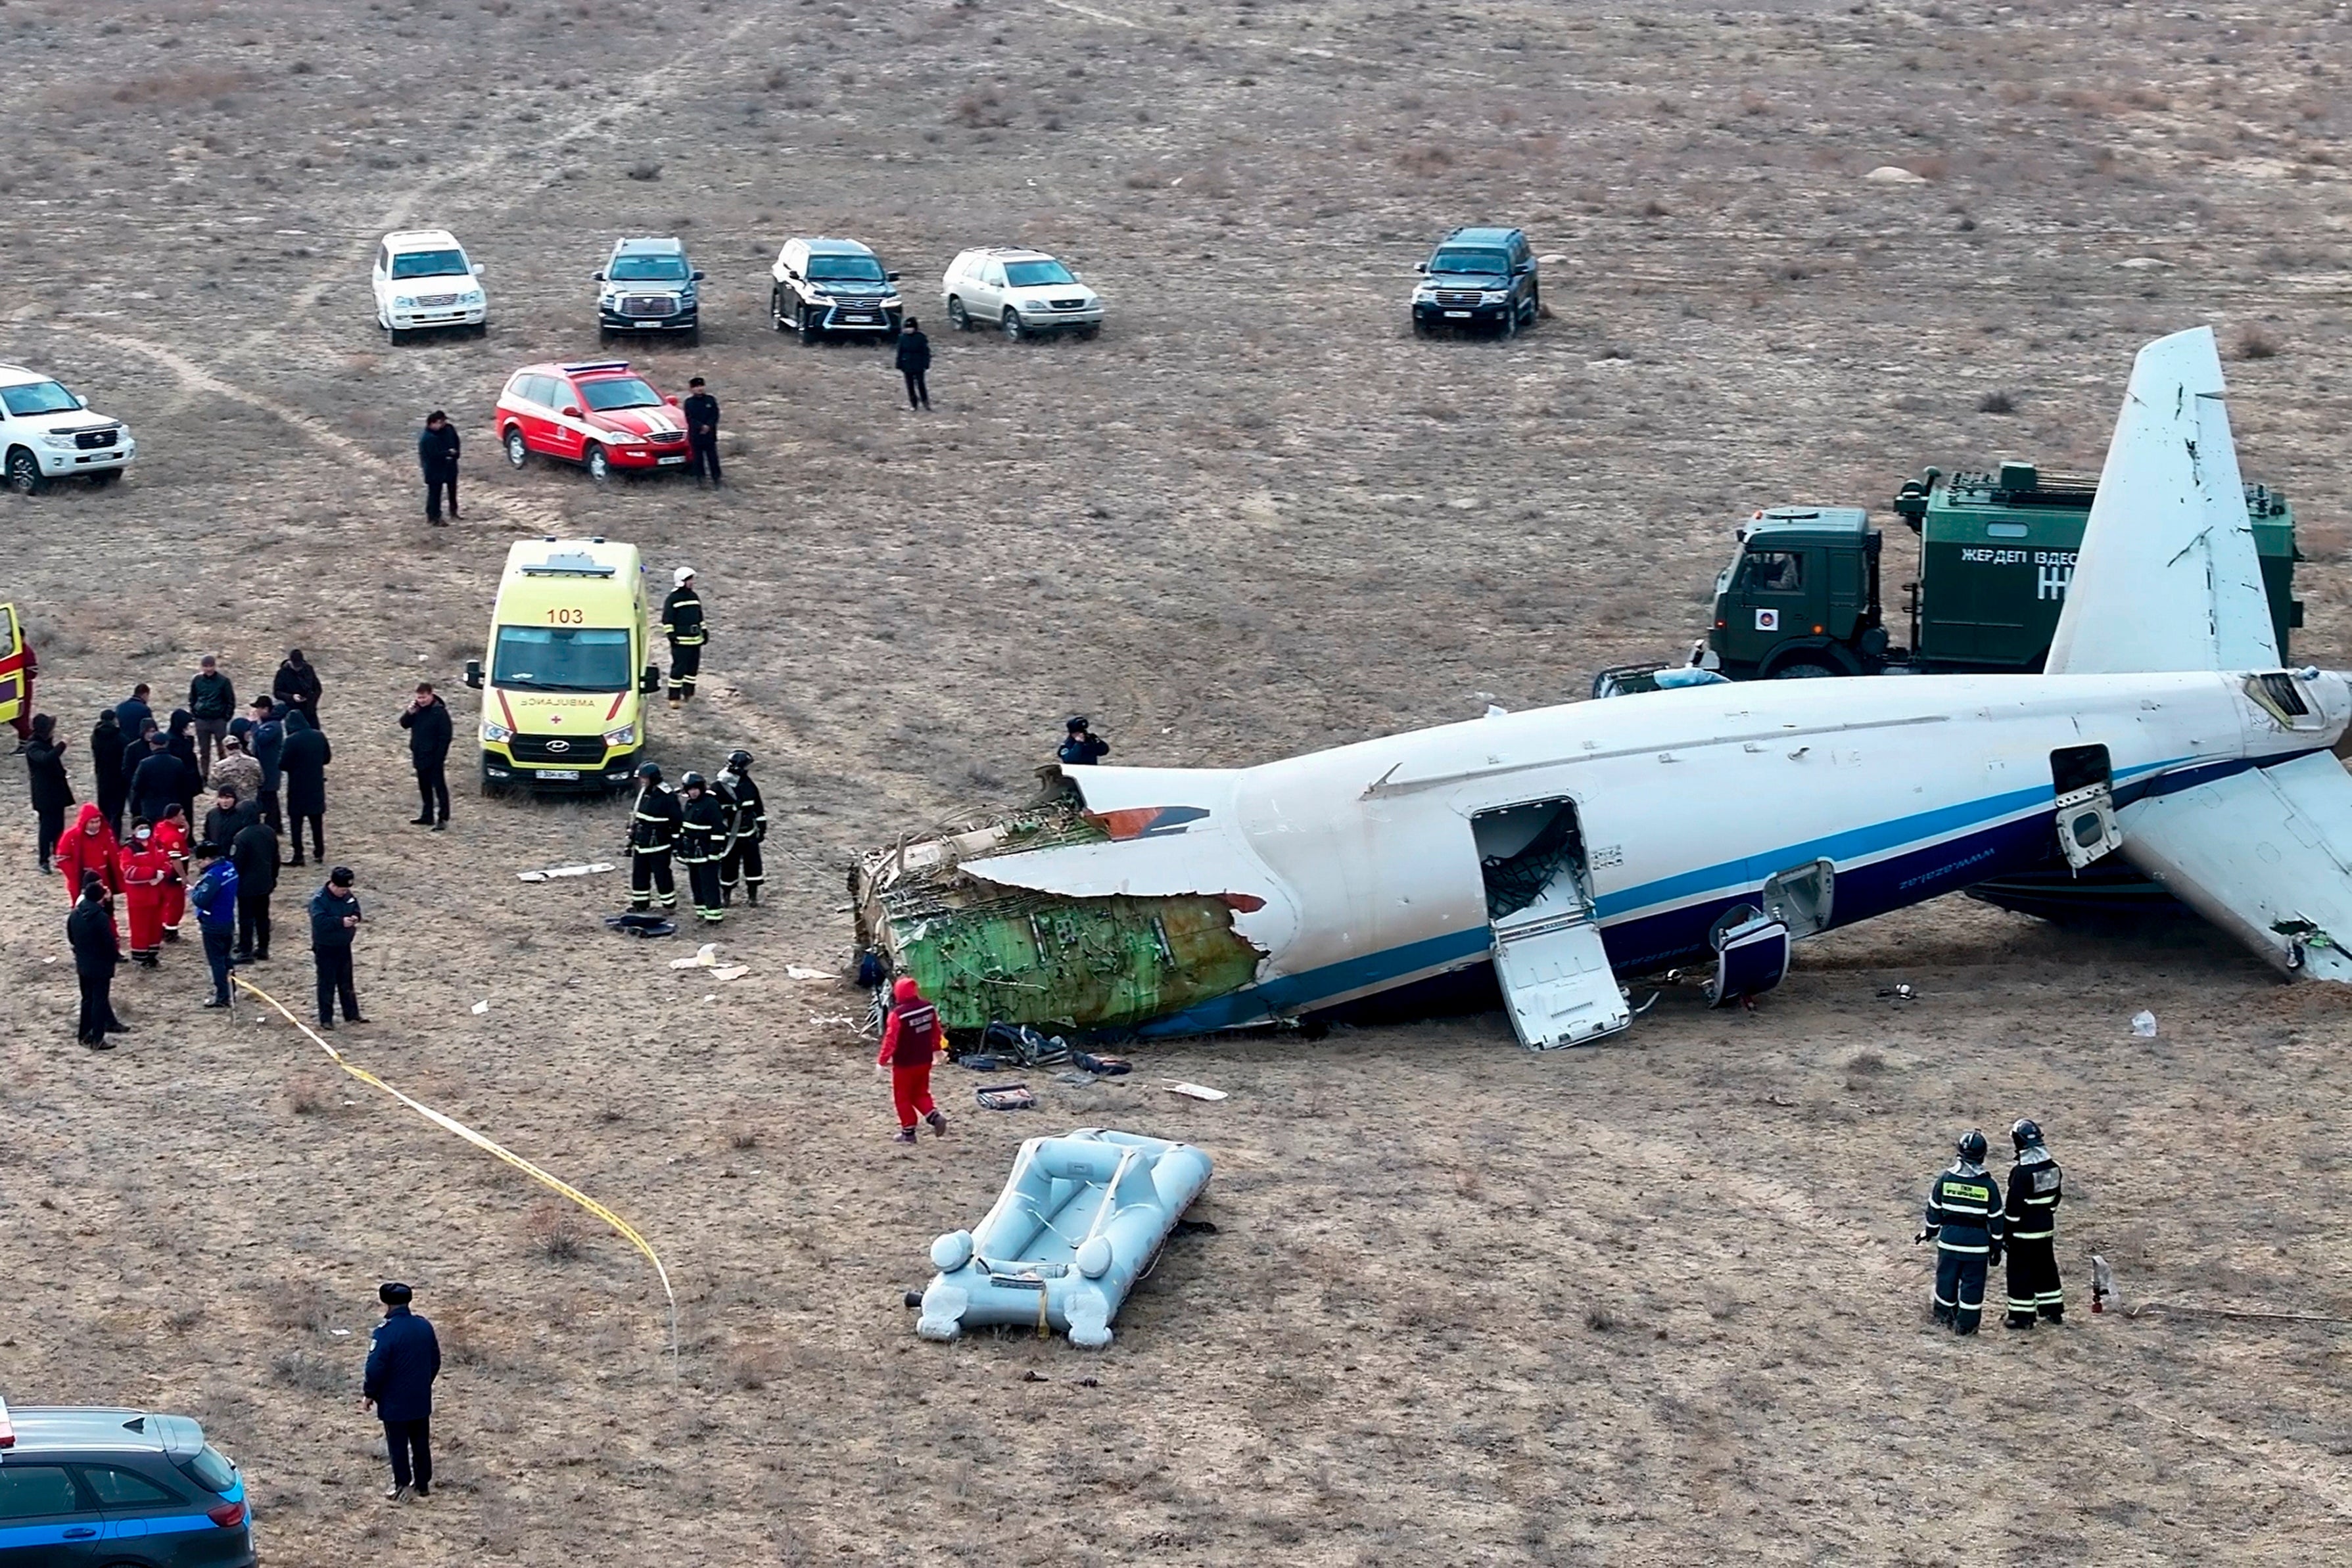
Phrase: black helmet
x=691 y=782
x=1972 y=1146
x=649 y=771
x=738 y=759
x=2026 y=1134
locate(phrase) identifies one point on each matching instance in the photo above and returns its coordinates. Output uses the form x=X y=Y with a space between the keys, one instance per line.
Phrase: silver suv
x=833 y=285
x=648 y=285
x=1022 y=293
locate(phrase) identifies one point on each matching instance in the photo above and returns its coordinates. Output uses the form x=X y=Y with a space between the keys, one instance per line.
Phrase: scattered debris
x=480 y=1008
x=2143 y=263
x=583 y=869
x=1080 y=1080
x=2103 y=1283
x=637 y=924
x=1106 y=1066
x=1005 y=1097
x=978 y=1062
x=1900 y=994
x=1194 y=1091
x=730 y=971
x=705 y=957
x=2143 y=1024
x=1894 y=175
x=801 y=972
x=341 y=1333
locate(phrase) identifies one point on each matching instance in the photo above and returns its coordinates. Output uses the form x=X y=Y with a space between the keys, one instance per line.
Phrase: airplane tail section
x=2167 y=578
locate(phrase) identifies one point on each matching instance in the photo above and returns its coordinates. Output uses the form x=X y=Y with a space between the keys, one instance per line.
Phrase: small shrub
x=1864 y=1062
x=2254 y=343
x=554 y=1230
x=645 y=170
x=753 y=1368
x=744 y=1138
x=307 y=1370
x=1599 y=1319
x=1425 y=162
x=1996 y=403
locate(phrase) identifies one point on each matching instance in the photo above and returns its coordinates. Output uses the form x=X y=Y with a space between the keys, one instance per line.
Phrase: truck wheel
x=776 y=308
x=24 y=472
x=1804 y=670
x=810 y=330
x=604 y=334
x=1012 y=324
x=1420 y=327
x=957 y=317
x=1511 y=321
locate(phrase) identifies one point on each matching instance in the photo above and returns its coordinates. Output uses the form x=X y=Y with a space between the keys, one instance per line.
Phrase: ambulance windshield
x=561 y=659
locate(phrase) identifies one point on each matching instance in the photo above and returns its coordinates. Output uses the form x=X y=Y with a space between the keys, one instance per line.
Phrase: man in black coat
x=212 y=702
x=915 y=364
x=254 y=853
x=89 y=931
x=702 y=431
x=45 y=772
x=302 y=765
x=131 y=710
x=427 y=720
x=403 y=1358
x=160 y=779
x=297 y=686
x=264 y=734
x=334 y=916
x=106 y=744
x=228 y=818
x=436 y=453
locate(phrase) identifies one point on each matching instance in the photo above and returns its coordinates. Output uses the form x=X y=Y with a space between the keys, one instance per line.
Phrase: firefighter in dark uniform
x=702 y=845
x=748 y=818
x=682 y=624
x=653 y=833
x=1964 y=1217
x=2032 y=1235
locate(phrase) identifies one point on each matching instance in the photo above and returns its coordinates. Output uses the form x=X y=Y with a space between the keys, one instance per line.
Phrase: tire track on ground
x=2297 y=1465
x=523 y=512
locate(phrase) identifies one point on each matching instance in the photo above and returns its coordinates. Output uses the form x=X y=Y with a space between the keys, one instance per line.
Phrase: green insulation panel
x=1076 y=963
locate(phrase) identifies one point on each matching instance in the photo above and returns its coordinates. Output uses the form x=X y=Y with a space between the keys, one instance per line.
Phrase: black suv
x=1477 y=277
x=118 y=1487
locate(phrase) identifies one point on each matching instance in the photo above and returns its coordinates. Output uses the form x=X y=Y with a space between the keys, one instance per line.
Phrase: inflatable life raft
x=1077 y=1225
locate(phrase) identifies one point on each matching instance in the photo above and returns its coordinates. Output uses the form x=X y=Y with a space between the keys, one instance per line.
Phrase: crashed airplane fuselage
x=1713 y=824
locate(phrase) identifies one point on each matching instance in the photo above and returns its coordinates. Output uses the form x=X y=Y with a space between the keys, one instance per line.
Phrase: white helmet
x=683 y=576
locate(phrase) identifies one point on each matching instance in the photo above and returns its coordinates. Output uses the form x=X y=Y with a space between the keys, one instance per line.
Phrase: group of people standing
x=139 y=840
x=713 y=828
x=1973 y=1226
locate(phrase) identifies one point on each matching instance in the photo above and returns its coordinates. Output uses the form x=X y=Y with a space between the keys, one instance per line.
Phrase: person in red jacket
x=146 y=872
x=88 y=845
x=172 y=838
x=911 y=1039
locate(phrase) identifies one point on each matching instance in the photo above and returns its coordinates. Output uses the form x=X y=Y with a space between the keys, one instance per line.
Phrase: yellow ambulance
x=563 y=698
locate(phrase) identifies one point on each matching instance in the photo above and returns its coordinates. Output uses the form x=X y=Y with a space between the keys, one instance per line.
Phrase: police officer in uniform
x=653 y=833
x=2032 y=1214
x=1081 y=747
x=1964 y=1215
x=682 y=624
x=742 y=866
x=702 y=845
x=701 y=412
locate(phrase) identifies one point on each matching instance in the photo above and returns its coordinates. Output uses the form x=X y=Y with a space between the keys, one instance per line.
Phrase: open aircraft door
x=12 y=666
x=1548 y=959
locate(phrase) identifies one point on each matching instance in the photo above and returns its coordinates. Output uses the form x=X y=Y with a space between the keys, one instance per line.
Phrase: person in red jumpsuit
x=146 y=872
x=88 y=845
x=172 y=838
x=911 y=1039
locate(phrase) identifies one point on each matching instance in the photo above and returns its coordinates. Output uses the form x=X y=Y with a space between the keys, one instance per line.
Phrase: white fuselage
x=1688 y=801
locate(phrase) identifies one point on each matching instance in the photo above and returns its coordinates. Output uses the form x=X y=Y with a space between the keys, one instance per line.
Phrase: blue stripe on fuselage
x=1644 y=943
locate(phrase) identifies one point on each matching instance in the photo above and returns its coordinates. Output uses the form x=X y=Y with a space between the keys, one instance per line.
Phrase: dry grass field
x=1647 y=1303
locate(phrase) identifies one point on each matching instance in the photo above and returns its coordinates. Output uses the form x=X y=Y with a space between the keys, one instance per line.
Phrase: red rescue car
x=601 y=415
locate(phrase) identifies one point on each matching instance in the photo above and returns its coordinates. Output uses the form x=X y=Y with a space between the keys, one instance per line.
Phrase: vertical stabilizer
x=2167 y=578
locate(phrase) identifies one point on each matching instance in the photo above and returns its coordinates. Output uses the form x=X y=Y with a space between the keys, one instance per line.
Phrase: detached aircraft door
x=1548 y=959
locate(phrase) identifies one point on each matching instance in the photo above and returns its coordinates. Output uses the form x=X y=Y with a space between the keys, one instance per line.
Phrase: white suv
x=422 y=281
x=1022 y=293
x=47 y=433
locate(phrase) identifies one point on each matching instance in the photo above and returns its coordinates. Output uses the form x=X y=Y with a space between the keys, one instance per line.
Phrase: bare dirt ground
x=1646 y=1303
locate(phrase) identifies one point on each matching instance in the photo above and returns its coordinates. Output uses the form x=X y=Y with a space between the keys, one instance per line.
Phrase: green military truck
x=1995 y=553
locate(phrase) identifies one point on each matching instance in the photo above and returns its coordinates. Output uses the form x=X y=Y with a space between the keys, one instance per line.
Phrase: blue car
x=117 y=1489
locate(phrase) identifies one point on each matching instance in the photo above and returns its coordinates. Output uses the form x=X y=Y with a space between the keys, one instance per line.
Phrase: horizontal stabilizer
x=2265 y=855
x=2167 y=576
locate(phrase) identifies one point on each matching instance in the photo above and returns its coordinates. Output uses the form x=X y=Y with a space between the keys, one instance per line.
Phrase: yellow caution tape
x=554 y=1184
